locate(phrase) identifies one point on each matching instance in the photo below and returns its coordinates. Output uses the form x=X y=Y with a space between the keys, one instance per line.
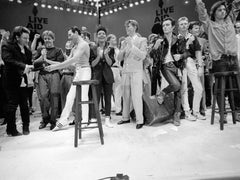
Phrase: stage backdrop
x=39 y=19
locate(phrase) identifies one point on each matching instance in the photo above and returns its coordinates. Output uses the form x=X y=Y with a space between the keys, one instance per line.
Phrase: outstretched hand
x=51 y=67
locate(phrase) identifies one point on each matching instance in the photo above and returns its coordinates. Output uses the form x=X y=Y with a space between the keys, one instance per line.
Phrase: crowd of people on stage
x=178 y=59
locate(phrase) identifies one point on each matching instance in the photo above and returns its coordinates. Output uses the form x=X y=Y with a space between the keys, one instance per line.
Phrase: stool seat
x=86 y=82
x=227 y=73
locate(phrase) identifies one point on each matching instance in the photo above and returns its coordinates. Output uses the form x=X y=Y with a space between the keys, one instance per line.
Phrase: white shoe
x=199 y=116
x=108 y=123
x=189 y=116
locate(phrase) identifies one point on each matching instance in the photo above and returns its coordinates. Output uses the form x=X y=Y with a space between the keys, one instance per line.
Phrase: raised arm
x=202 y=14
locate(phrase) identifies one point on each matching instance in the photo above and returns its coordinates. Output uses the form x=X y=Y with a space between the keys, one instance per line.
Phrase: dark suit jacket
x=15 y=62
x=102 y=69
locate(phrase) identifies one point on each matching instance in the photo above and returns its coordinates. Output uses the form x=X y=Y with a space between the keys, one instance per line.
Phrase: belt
x=168 y=63
x=115 y=66
x=68 y=73
x=227 y=56
x=83 y=66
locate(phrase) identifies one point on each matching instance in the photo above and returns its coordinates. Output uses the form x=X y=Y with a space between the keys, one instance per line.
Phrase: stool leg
x=76 y=118
x=222 y=102
x=94 y=94
x=215 y=88
x=231 y=99
x=80 y=111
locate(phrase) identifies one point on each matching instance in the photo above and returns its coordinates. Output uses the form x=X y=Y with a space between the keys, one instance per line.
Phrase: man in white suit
x=132 y=52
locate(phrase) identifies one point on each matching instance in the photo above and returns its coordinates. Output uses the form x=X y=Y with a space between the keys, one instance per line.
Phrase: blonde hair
x=48 y=33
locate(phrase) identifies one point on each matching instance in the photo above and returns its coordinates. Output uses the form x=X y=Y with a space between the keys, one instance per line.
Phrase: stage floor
x=195 y=150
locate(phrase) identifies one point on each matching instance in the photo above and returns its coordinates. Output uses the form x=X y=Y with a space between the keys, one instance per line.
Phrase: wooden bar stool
x=220 y=78
x=78 y=116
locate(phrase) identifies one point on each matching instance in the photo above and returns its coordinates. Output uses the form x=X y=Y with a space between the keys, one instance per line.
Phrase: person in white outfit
x=80 y=58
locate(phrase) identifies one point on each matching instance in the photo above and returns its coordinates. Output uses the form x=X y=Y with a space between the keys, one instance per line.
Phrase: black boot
x=26 y=130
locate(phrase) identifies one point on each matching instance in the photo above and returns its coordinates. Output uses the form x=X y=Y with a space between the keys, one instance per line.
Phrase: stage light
x=74 y=10
x=110 y=11
x=10 y=0
x=35 y=4
x=55 y=7
x=95 y=14
x=61 y=8
x=142 y=1
x=43 y=5
x=49 y=6
x=119 y=8
x=19 y=1
x=85 y=12
x=136 y=3
x=115 y=9
x=68 y=9
x=131 y=5
x=186 y=2
x=80 y=12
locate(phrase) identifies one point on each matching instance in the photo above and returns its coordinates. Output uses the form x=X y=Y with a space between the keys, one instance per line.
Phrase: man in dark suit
x=17 y=59
x=101 y=60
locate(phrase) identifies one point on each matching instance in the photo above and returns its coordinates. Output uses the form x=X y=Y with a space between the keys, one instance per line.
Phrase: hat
x=214 y=8
x=39 y=65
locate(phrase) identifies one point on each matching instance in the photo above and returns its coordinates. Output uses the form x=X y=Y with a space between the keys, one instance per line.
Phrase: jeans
x=81 y=74
x=170 y=73
x=191 y=72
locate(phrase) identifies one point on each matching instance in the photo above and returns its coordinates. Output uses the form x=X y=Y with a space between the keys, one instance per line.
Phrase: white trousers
x=191 y=71
x=117 y=89
x=83 y=73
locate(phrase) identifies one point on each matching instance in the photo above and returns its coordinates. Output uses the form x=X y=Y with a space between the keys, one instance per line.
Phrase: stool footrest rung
x=85 y=102
x=91 y=127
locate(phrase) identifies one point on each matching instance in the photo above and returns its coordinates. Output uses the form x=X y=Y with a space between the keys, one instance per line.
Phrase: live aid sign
x=162 y=13
x=36 y=23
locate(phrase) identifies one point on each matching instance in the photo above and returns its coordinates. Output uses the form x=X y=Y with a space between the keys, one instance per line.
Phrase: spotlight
x=131 y=5
x=61 y=8
x=68 y=9
x=142 y=1
x=110 y=11
x=81 y=2
x=85 y=12
x=95 y=14
x=19 y=1
x=10 y=0
x=136 y=3
x=80 y=12
x=90 y=13
x=186 y=2
x=49 y=6
x=55 y=7
x=43 y=5
x=119 y=8
x=106 y=13
x=115 y=9
x=74 y=10
x=35 y=4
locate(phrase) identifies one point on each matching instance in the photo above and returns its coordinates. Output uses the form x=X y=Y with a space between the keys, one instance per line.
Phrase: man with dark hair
x=222 y=37
x=167 y=48
x=17 y=59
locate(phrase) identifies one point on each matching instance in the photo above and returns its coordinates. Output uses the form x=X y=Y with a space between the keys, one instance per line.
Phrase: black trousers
x=15 y=97
x=155 y=79
x=170 y=73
